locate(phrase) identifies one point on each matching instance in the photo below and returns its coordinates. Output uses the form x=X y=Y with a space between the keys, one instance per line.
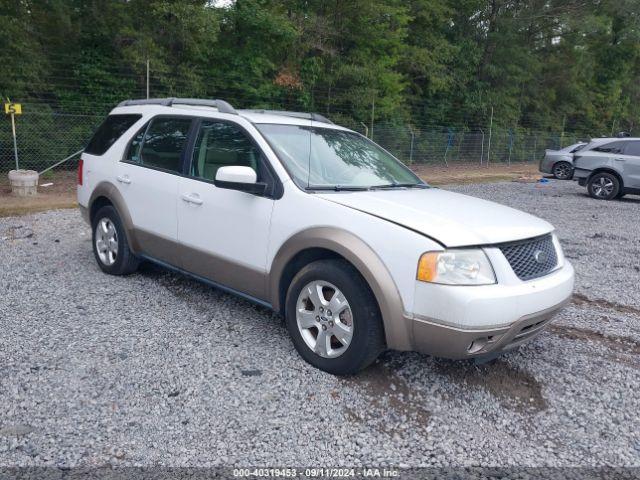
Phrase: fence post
x=482 y=147
x=373 y=112
x=366 y=129
x=411 y=146
x=147 y=78
x=489 y=146
x=510 y=146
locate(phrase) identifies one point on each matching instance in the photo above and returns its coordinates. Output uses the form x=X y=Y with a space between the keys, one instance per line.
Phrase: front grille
x=531 y=258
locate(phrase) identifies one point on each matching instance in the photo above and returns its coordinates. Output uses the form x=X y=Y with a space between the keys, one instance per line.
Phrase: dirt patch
x=389 y=396
x=61 y=194
x=613 y=342
x=579 y=299
x=514 y=388
x=474 y=173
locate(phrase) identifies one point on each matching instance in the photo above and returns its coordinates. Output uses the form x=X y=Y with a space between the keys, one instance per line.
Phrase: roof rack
x=221 y=105
x=316 y=117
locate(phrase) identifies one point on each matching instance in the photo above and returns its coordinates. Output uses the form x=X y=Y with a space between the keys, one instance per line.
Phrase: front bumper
x=465 y=322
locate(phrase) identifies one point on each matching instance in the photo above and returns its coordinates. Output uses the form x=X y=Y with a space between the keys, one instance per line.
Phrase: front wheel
x=563 y=171
x=333 y=318
x=603 y=186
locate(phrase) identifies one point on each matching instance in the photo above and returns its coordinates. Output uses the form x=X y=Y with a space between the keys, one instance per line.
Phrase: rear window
x=110 y=131
x=578 y=148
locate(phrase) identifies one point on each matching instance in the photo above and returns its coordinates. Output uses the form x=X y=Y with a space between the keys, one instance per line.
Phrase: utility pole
x=564 y=119
x=147 y=78
x=489 y=146
x=482 y=147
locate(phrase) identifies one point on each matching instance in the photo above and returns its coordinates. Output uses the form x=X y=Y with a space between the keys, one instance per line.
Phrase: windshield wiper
x=338 y=188
x=399 y=185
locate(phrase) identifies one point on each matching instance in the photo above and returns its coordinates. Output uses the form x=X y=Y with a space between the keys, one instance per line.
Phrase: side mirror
x=239 y=178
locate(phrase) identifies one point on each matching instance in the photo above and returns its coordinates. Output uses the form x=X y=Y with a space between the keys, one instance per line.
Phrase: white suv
x=319 y=223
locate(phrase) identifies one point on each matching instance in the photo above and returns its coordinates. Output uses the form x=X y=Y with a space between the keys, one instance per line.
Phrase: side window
x=164 y=143
x=109 y=132
x=613 y=147
x=133 y=152
x=222 y=144
x=632 y=148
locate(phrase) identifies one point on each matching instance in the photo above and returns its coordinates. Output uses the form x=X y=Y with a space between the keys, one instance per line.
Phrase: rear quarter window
x=109 y=132
x=632 y=148
x=612 y=147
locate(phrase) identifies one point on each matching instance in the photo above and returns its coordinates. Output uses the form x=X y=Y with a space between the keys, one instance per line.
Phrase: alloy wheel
x=106 y=241
x=562 y=171
x=602 y=187
x=324 y=318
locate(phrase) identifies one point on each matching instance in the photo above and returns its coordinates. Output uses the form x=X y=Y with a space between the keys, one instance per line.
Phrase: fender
x=365 y=260
x=110 y=191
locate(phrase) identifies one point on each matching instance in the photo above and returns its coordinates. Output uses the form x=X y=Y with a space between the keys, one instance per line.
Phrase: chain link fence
x=46 y=137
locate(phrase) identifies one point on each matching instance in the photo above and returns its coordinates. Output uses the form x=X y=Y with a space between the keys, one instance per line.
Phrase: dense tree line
x=543 y=64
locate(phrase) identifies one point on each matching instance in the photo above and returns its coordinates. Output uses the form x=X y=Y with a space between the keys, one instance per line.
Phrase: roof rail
x=316 y=117
x=221 y=105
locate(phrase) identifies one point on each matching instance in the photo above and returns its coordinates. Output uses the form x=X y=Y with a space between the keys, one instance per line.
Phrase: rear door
x=224 y=233
x=148 y=178
x=631 y=164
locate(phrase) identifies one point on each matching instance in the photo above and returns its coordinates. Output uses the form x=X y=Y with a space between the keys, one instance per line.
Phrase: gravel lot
x=157 y=369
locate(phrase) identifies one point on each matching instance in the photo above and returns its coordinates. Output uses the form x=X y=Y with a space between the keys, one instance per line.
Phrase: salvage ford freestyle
x=321 y=224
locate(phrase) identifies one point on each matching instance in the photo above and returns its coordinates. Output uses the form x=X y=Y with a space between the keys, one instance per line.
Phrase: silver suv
x=609 y=167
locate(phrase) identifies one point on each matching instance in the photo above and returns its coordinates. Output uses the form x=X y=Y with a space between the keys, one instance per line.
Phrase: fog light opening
x=478 y=344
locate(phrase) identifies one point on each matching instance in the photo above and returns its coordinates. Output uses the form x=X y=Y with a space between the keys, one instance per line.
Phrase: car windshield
x=330 y=159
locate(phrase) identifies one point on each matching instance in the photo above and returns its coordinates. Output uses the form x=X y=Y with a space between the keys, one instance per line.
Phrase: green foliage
x=560 y=65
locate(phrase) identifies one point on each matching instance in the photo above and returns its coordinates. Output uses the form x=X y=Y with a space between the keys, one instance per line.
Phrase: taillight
x=80 y=169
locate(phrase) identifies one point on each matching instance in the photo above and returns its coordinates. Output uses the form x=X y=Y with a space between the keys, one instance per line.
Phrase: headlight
x=456 y=267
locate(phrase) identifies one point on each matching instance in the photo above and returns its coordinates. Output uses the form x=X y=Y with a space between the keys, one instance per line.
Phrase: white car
x=321 y=224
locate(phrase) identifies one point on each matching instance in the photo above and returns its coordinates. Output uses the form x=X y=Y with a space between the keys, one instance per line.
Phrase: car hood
x=453 y=219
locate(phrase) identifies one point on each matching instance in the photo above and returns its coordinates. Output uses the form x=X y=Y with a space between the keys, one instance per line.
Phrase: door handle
x=192 y=198
x=620 y=159
x=123 y=179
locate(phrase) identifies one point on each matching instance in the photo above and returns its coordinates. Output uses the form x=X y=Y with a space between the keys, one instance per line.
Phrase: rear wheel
x=333 y=318
x=110 y=246
x=603 y=186
x=563 y=171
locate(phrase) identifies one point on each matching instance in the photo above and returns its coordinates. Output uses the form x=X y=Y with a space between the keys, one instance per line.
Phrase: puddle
x=513 y=387
x=389 y=397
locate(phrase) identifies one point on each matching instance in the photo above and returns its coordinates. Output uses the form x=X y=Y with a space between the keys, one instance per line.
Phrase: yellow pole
x=15 y=142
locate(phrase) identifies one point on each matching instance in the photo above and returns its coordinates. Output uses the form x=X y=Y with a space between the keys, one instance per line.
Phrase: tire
x=308 y=322
x=603 y=186
x=563 y=171
x=620 y=195
x=113 y=258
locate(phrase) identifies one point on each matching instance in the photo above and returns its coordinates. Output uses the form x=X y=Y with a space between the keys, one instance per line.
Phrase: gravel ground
x=157 y=369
